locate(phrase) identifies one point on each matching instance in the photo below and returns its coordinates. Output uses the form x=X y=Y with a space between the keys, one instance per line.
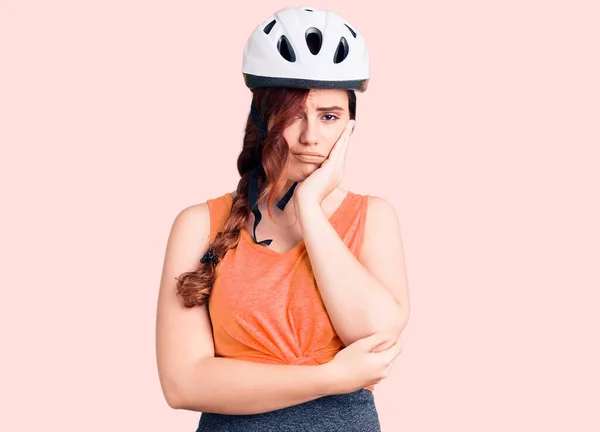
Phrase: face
x=316 y=131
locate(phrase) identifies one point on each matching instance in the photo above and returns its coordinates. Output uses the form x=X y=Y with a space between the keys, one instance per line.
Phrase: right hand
x=365 y=362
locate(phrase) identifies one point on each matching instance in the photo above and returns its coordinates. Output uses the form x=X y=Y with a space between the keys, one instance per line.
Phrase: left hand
x=328 y=176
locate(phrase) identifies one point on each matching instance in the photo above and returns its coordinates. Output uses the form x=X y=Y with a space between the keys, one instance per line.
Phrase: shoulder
x=191 y=224
x=381 y=224
x=203 y=209
x=194 y=221
x=205 y=219
x=380 y=208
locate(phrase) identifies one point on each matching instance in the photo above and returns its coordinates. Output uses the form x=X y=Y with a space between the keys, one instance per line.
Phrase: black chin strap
x=253 y=191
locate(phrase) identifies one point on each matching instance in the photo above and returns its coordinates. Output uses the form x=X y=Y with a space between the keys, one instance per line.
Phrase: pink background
x=481 y=126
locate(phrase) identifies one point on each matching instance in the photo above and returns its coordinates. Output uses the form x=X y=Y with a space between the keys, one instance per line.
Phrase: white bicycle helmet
x=304 y=47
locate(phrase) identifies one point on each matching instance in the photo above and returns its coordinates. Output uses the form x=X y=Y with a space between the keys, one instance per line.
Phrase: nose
x=309 y=132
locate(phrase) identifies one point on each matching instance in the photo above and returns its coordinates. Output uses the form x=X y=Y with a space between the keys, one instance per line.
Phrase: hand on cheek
x=329 y=175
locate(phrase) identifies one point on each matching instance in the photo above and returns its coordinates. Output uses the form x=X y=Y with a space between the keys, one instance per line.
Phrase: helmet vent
x=269 y=27
x=351 y=31
x=308 y=10
x=341 y=52
x=314 y=39
x=285 y=49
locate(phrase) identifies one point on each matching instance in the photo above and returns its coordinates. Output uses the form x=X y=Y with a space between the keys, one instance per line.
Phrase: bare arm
x=230 y=386
x=363 y=295
x=191 y=377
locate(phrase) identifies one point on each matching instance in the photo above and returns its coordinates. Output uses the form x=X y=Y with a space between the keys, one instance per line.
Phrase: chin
x=299 y=175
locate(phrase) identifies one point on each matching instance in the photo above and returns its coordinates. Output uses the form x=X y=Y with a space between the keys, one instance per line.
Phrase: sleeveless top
x=265 y=305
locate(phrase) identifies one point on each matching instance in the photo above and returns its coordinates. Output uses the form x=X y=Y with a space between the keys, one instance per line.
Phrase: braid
x=195 y=287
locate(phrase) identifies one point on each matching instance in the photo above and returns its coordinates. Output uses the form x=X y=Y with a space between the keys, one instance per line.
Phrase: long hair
x=281 y=106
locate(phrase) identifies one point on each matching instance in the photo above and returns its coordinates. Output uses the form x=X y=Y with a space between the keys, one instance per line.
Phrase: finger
x=341 y=146
x=373 y=341
x=343 y=138
x=336 y=147
x=348 y=131
x=388 y=369
x=391 y=350
x=384 y=346
x=347 y=142
x=395 y=350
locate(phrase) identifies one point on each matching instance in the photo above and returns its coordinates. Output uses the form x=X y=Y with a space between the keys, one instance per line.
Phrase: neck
x=286 y=188
x=281 y=194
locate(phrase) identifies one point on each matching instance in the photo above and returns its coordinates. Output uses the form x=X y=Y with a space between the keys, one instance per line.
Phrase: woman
x=292 y=331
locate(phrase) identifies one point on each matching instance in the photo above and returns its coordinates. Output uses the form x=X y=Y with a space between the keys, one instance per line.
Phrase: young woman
x=286 y=322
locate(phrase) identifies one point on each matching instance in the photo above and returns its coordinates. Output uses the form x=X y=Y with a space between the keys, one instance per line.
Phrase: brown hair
x=280 y=105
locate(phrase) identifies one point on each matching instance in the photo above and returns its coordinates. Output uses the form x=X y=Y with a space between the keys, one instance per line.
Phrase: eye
x=331 y=115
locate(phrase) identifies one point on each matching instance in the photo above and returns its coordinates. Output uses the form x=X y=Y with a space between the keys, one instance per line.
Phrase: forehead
x=326 y=98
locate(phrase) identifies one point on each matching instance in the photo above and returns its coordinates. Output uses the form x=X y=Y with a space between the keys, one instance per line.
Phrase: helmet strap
x=253 y=189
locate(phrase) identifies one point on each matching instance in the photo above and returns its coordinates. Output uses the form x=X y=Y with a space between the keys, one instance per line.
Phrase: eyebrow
x=331 y=108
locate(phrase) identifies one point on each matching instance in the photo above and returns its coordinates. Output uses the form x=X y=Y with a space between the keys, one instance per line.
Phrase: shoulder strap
x=350 y=224
x=219 y=209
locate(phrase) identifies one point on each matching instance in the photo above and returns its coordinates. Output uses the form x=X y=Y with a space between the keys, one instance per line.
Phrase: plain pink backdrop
x=480 y=125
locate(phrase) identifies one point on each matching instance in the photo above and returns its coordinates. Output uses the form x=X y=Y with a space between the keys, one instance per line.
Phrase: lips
x=309 y=153
x=308 y=157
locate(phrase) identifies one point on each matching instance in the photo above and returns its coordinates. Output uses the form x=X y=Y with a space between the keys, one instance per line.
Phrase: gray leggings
x=345 y=412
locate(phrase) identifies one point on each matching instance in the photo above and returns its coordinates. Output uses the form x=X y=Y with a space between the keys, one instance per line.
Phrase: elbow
x=174 y=403
x=198 y=403
x=172 y=398
x=390 y=320
x=392 y=324
x=172 y=391
x=390 y=327
x=184 y=398
x=180 y=402
x=181 y=395
x=177 y=398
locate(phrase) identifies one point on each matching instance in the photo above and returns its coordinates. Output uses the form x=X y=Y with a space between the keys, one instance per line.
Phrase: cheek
x=290 y=136
x=331 y=136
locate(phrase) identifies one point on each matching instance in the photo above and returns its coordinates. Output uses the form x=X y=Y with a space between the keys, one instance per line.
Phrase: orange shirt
x=265 y=305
